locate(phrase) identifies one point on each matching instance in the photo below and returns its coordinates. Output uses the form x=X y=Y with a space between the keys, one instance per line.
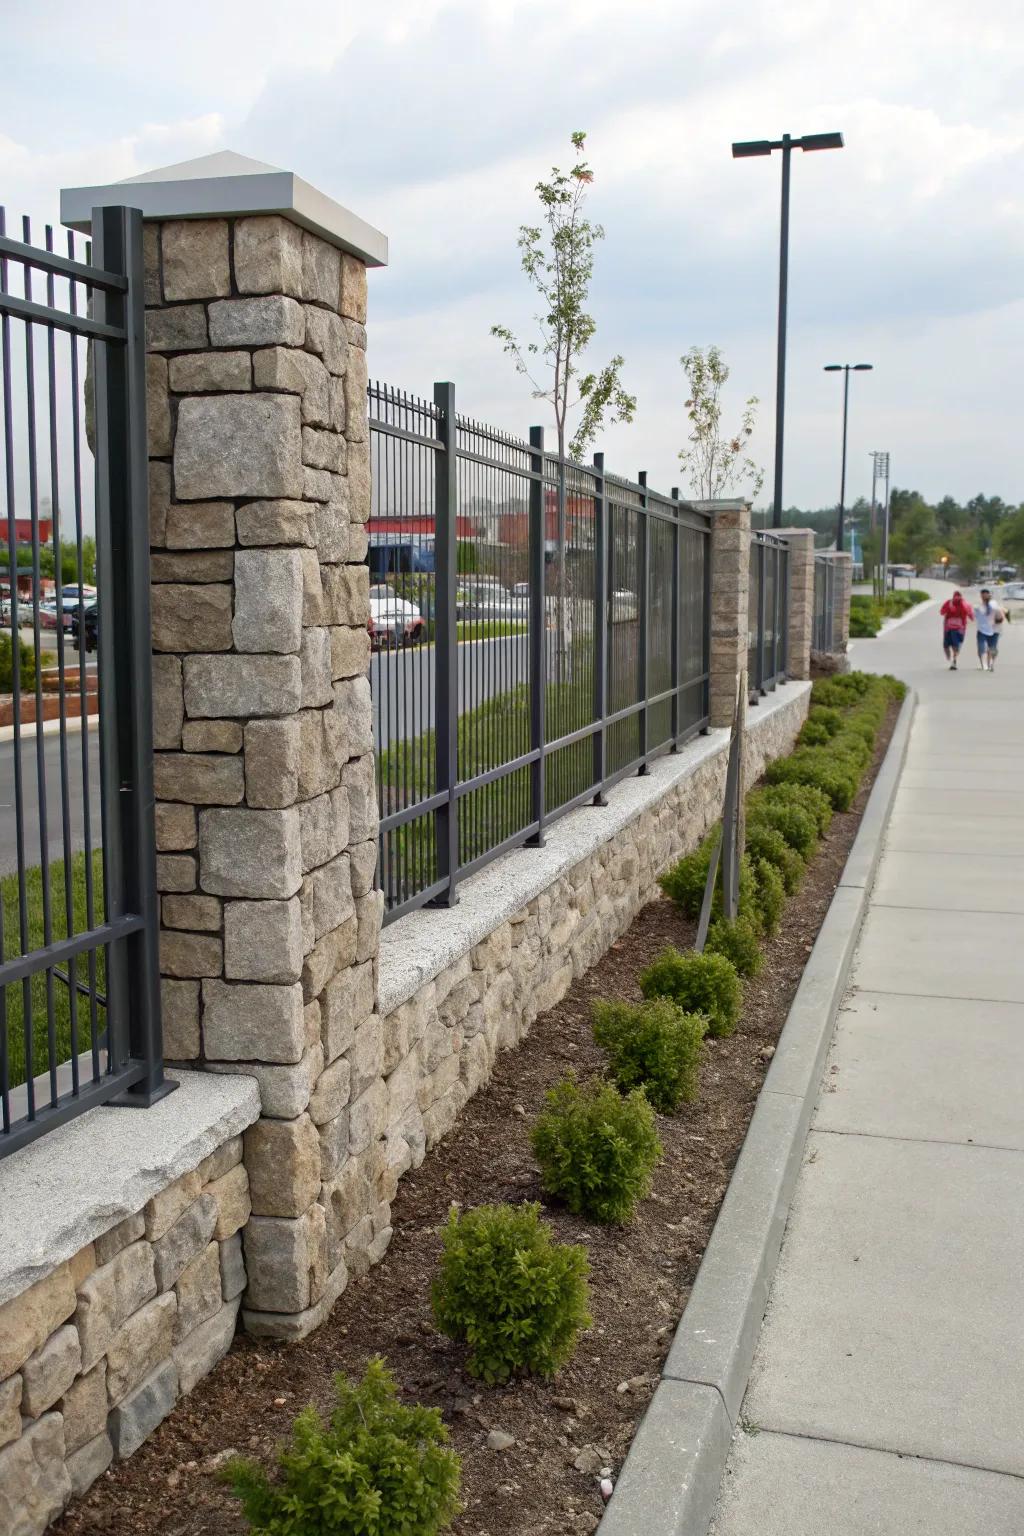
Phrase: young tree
x=558 y=259
x=714 y=463
x=1009 y=539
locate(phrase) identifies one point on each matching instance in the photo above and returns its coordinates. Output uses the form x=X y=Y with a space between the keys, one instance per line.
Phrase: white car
x=1011 y=598
x=393 y=619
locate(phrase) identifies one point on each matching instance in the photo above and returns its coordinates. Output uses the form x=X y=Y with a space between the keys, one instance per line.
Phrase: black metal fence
x=79 y=972
x=767 y=613
x=826 y=633
x=540 y=631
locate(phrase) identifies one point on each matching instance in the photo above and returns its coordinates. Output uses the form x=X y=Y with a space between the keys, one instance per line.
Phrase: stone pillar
x=730 y=584
x=266 y=805
x=844 y=591
x=801 y=599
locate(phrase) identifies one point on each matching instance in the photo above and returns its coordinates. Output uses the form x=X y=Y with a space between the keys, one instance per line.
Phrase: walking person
x=955 y=615
x=988 y=616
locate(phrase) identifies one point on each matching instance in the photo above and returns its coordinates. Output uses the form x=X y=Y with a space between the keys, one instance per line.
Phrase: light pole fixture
x=845 y=369
x=751 y=149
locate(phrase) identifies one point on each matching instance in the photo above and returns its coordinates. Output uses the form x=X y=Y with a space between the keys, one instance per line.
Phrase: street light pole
x=747 y=150
x=845 y=369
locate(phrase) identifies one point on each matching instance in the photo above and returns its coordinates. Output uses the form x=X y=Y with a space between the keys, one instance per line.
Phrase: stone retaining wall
x=440 y=1043
x=96 y=1354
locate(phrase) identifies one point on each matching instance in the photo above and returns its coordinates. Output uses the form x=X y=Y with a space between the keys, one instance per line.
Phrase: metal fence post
x=600 y=630
x=538 y=633
x=446 y=725
x=645 y=617
x=760 y=616
x=677 y=622
x=126 y=713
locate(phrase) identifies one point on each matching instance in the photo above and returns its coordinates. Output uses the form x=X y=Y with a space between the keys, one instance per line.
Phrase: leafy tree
x=967 y=555
x=913 y=535
x=950 y=518
x=712 y=462
x=558 y=259
x=1009 y=538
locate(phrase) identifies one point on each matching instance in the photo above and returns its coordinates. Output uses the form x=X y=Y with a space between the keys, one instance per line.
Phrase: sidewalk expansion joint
x=887 y=1450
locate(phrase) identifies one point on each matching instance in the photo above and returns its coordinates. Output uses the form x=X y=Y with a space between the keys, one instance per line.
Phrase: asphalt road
x=30 y=798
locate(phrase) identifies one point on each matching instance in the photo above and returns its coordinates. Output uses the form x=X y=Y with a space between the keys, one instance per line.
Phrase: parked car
x=84 y=620
x=393 y=620
x=1011 y=598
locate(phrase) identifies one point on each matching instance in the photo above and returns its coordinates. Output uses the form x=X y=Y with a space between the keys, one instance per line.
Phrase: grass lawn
x=488 y=629
x=79 y=967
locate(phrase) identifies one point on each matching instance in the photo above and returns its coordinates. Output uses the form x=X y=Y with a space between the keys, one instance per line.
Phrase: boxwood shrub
x=652 y=1045
x=597 y=1150
x=737 y=941
x=706 y=984
x=764 y=842
x=771 y=894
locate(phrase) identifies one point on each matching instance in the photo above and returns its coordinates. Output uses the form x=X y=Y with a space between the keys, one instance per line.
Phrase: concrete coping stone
x=671 y=1477
x=426 y=942
x=82 y=1178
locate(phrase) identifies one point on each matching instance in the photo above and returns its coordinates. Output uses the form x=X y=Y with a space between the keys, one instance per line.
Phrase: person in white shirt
x=988 y=616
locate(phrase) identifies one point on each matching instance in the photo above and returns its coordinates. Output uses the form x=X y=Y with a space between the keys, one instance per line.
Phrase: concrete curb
x=670 y=1481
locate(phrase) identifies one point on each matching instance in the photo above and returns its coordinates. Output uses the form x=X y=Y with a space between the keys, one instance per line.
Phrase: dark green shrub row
x=834 y=760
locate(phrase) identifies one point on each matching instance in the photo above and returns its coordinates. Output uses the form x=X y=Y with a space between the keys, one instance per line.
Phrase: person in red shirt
x=955 y=614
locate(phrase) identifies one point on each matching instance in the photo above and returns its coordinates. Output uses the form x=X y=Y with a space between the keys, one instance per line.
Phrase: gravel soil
x=640 y=1275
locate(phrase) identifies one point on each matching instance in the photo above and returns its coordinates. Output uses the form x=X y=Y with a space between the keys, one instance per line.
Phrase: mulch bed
x=640 y=1276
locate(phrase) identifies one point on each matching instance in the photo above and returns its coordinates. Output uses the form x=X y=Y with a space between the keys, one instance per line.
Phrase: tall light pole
x=879 y=470
x=845 y=369
x=745 y=151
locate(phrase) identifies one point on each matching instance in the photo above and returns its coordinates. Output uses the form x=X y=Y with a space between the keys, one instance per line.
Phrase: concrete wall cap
x=229 y=185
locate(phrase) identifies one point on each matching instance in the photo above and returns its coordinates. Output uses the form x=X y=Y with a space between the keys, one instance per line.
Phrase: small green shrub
x=797 y=826
x=516 y=1298
x=812 y=735
x=771 y=894
x=764 y=842
x=706 y=984
x=737 y=942
x=684 y=883
x=652 y=1045
x=597 y=1149
x=26 y=665
x=831 y=719
x=835 y=776
x=805 y=797
x=380 y=1468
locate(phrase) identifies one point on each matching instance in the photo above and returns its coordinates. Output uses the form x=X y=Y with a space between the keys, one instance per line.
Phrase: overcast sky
x=433 y=119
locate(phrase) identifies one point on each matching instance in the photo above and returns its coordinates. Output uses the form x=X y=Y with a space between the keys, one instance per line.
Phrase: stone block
x=231 y=1193
x=369 y=917
x=200 y=525
x=49 y=1371
x=350 y=651
x=352 y=294
x=180 y=1010
x=165 y=1208
x=238 y=445
x=283 y=1162
x=346 y=1199
x=333 y=533
x=321 y=753
x=297 y=373
x=220 y=1162
x=136 y=1416
x=198 y=778
x=353 y=706
x=180 y=328
x=196 y=567
x=322 y=829
x=333 y=1147
x=285 y=1261
x=232 y=1267
x=291 y=1326
x=321 y=270
x=139 y=1346
x=275 y=522
x=88 y=1463
x=10 y=1409
x=195 y=259
x=268 y=255
x=207 y=1344
x=247 y=1022
x=272 y=763
x=198 y=1292
x=356 y=423
x=211 y=736
x=109 y=1297
x=359 y=478
x=360 y=786
x=321 y=485
x=273 y=320
x=191 y=618
x=84 y=1407
x=159 y=500
x=331 y=892
x=268 y=600
x=314 y=602
x=320 y=450
x=263 y=941
x=196 y=914
x=34 y=1482
x=27 y=1320
x=347 y=594
x=158 y=409
x=347 y=1001
x=190 y=954
x=329 y=955
x=332 y=1092
x=356 y=333
x=200 y=373
x=152 y=290
x=368 y=1117
x=247 y=852
x=337 y=417
x=363 y=865
x=315 y=668
x=189 y=1235
x=325 y=336
x=82 y=1264
x=235 y=686
x=168 y=702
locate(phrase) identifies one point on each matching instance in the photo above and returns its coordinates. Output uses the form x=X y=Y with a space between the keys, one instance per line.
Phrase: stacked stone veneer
x=800 y=599
x=266 y=812
x=730 y=586
x=95 y=1355
x=440 y=1043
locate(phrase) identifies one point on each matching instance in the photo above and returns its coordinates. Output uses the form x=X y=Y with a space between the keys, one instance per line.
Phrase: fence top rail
x=48 y=261
x=761 y=536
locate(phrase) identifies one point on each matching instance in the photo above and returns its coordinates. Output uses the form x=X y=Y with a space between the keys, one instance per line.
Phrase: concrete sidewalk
x=887 y=1394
